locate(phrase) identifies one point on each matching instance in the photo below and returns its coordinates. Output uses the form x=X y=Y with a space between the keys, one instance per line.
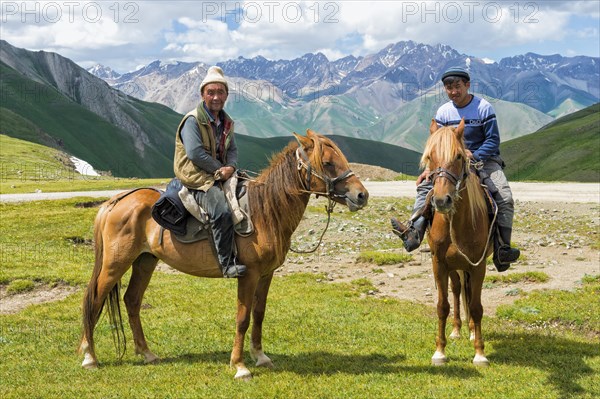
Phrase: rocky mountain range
x=388 y=96
x=48 y=99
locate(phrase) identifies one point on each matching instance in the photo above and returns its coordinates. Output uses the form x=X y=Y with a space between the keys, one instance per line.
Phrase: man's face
x=214 y=96
x=458 y=92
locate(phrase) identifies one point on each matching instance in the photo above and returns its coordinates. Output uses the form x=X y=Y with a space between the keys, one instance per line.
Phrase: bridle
x=303 y=162
x=444 y=172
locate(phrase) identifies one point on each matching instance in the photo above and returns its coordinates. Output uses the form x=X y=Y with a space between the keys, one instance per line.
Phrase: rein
x=487 y=243
x=304 y=163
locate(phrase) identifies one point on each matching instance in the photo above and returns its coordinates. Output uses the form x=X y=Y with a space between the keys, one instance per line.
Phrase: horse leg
x=258 y=315
x=443 y=309
x=143 y=267
x=96 y=293
x=456 y=291
x=246 y=290
x=476 y=310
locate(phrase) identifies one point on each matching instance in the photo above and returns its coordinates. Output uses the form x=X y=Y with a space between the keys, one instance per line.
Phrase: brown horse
x=459 y=235
x=126 y=235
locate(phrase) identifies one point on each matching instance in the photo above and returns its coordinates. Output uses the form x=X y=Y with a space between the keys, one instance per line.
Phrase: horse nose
x=443 y=203
x=363 y=197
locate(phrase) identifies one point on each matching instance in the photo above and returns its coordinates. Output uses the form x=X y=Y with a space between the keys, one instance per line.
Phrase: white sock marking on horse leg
x=480 y=360
x=438 y=358
x=89 y=362
x=262 y=360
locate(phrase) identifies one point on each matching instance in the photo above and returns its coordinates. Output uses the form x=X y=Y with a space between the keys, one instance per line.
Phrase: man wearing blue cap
x=482 y=139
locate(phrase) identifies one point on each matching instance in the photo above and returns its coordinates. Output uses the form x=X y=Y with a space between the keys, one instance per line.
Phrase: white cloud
x=130 y=33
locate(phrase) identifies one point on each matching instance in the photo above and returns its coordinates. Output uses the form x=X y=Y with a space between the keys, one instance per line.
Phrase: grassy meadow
x=26 y=167
x=326 y=340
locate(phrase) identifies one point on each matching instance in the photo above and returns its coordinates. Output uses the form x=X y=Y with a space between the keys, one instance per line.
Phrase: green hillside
x=23 y=160
x=37 y=112
x=567 y=149
x=256 y=152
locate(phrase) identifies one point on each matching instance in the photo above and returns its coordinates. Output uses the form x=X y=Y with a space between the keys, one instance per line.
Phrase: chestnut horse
x=459 y=235
x=126 y=235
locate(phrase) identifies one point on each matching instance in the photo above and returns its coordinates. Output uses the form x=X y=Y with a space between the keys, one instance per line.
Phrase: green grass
x=511 y=278
x=19 y=286
x=324 y=343
x=42 y=248
x=383 y=258
x=326 y=340
x=567 y=309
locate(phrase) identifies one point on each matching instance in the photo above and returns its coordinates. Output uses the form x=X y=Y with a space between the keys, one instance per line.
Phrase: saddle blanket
x=177 y=211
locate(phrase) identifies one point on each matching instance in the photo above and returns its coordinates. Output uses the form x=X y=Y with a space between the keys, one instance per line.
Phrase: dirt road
x=559 y=192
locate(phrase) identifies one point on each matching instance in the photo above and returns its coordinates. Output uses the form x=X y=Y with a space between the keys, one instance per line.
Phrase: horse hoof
x=90 y=366
x=455 y=335
x=151 y=358
x=261 y=359
x=264 y=362
x=480 y=361
x=89 y=363
x=439 y=359
x=243 y=375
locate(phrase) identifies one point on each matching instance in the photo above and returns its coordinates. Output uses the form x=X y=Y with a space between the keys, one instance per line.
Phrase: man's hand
x=224 y=173
x=423 y=176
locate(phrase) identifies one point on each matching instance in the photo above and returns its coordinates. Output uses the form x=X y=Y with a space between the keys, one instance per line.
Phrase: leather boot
x=413 y=235
x=233 y=270
x=504 y=255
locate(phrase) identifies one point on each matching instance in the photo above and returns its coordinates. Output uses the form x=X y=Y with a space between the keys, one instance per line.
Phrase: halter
x=304 y=163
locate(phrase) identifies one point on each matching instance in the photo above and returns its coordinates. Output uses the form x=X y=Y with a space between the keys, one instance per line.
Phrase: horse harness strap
x=304 y=163
x=453 y=178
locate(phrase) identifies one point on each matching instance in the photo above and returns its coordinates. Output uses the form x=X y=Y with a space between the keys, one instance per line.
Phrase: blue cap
x=456 y=71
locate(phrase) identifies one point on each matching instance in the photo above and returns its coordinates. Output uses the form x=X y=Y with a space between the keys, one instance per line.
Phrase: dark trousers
x=215 y=204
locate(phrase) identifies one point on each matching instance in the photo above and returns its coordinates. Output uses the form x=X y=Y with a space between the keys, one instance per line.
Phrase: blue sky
x=128 y=34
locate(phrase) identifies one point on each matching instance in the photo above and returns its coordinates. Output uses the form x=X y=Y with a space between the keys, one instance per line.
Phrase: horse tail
x=465 y=293
x=90 y=314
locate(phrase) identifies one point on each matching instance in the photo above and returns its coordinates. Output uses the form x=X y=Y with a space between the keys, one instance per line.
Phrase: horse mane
x=277 y=196
x=445 y=146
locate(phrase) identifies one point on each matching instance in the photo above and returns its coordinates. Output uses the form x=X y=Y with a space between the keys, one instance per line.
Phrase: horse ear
x=304 y=142
x=460 y=128
x=310 y=133
x=433 y=126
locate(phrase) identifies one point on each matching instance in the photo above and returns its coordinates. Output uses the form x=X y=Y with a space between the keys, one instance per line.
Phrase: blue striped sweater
x=482 y=136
